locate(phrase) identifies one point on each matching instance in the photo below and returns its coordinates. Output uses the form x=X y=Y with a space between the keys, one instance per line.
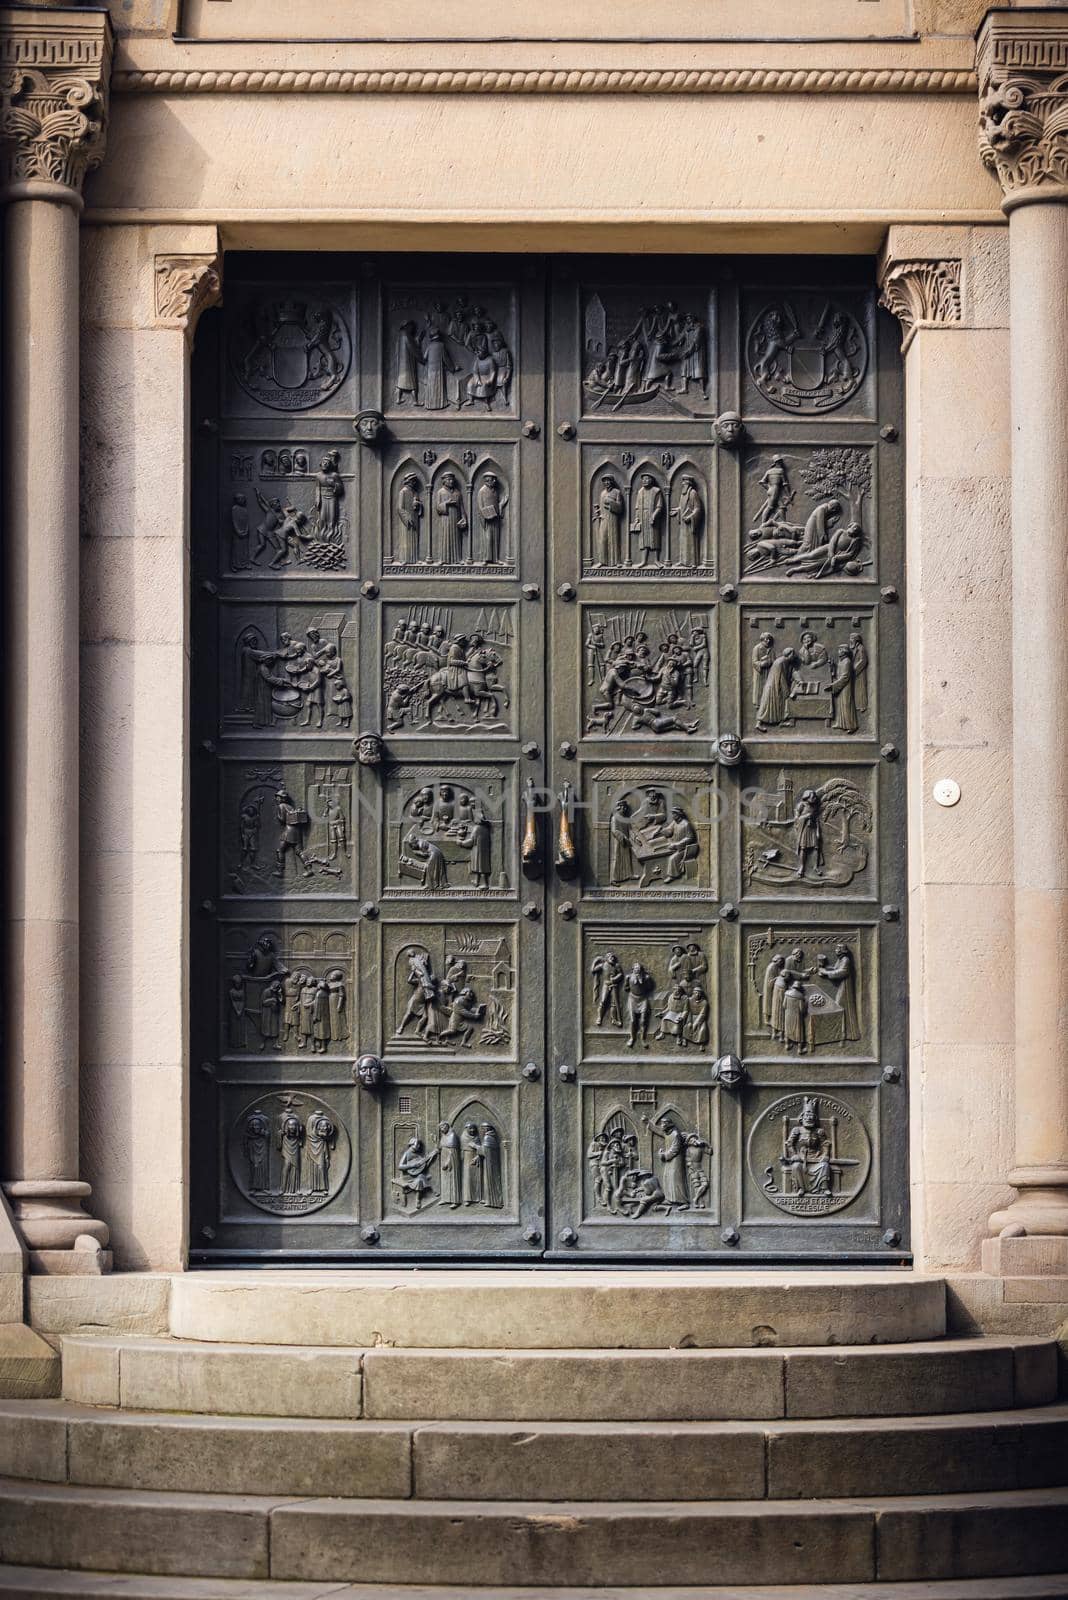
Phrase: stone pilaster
x=54 y=73
x=1023 y=94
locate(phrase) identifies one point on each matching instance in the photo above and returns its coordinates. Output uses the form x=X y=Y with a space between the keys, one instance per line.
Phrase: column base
x=59 y=1235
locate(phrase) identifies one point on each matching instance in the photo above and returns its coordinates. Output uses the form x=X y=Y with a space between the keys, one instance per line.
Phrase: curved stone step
x=42 y=1583
x=52 y=1441
x=569 y=1385
x=557 y=1309
x=535 y=1542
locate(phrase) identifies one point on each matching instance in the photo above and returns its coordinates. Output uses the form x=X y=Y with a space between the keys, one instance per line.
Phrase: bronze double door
x=548 y=881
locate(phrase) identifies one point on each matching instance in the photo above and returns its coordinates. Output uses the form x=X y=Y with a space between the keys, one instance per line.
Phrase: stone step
x=41 y=1583
x=687 y=1385
x=54 y=1442
x=574 y=1309
x=535 y=1542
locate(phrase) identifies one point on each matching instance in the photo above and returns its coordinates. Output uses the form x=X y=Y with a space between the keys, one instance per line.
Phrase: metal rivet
x=532 y=1072
x=728 y=591
x=728 y=911
x=531 y=591
x=568 y=1236
x=369 y=1235
x=208 y=746
x=567 y=910
x=946 y=791
x=891 y=1237
x=566 y=591
x=369 y=589
x=566 y=430
x=891 y=1074
x=207 y=1069
x=891 y=913
x=209 y=587
x=889 y=595
x=531 y=750
x=532 y=910
x=530 y=430
x=209 y=425
x=368 y=909
x=889 y=752
x=730 y=1236
x=208 y=906
x=888 y=432
x=207 y=1231
x=531 y=1236
x=568 y=750
x=567 y=1073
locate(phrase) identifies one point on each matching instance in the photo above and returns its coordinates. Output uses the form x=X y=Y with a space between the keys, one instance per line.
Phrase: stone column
x=53 y=102
x=1023 y=88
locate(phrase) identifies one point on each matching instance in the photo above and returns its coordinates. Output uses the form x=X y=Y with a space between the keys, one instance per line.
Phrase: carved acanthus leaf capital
x=55 y=68
x=922 y=292
x=186 y=286
x=1022 y=67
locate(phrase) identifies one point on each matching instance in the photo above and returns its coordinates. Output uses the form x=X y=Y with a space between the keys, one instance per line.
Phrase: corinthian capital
x=1022 y=64
x=54 y=73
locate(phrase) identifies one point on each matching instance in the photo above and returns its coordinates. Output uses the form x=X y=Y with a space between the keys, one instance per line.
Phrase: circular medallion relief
x=289 y=1153
x=810 y=1154
x=806 y=354
x=290 y=354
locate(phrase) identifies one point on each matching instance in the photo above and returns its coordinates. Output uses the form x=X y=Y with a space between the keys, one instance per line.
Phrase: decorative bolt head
x=891 y=913
x=531 y=430
x=532 y=1072
x=369 y=1235
x=369 y=589
x=730 y=1236
x=889 y=752
x=728 y=911
x=566 y=908
x=208 y=425
x=531 y=591
x=531 y=1236
x=368 y=909
x=209 y=587
x=531 y=750
x=728 y=591
x=568 y=1236
x=208 y=746
x=368 y=749
x=891 y=1074
x=567 y=1073
x=568 y=750
x=369 y=427
x=889 y=595
x=532 y=910
x=888 y=432
x=207 y=1069
x=566 y=591
x=728 y=1071
x=891 y=1237
x=566 y=430
x=207 y=1231
x=368 y=1071
x=208 y=906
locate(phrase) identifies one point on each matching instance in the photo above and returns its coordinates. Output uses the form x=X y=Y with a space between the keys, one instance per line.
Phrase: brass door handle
x=530 y=850
x=567 y=861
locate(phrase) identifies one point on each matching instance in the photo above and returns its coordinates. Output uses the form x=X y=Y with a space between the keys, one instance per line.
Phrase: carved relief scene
x=286 y=990
x=449 y=987
x=805 y=829
x=289 y=1152
x=447 y=1152
x=450 y=350
x=448 y=832
x=651 y=989
x=808 y=1155
x=287 y=509
x=291 y=829
x=648 y=671
x=650 y=1153
x=453 y=513
x=809 y=992
x=808 y=352
x=808 y=514
x=648 y=514
x=448 y=669
x=289 y=351
x=652 y=832
x=809 y=675
x=288 y=668
x=656 y=355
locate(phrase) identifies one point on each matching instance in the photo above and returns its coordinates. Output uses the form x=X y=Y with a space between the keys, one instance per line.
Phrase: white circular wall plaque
x=947 y=791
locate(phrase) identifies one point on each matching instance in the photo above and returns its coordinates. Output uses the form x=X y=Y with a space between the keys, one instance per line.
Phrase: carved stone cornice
x=548 y=80
x=55 y=69
x=1022 y=64
x=922 y=293
x=186 y=286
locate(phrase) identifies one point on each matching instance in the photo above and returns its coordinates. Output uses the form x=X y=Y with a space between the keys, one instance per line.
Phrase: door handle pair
x=566 y=859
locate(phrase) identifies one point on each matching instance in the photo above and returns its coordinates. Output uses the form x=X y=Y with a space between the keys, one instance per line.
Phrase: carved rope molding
x=54 y=77
x=1023 y=100
x=920 y=293
x=186 y=286
x=554 y=80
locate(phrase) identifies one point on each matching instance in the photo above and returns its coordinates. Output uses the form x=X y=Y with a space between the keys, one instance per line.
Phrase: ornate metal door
x=548 y=690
